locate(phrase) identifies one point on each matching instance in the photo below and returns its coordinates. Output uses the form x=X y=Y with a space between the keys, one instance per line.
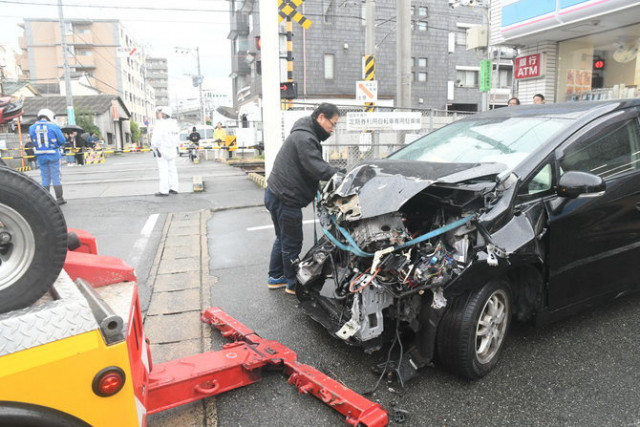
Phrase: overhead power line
x=93 y=6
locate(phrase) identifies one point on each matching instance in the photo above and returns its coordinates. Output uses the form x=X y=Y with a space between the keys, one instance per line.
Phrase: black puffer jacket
x=299 y=165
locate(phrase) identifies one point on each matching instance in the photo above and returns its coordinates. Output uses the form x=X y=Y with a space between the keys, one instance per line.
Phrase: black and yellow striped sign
x=287 y=9
x=369 y=66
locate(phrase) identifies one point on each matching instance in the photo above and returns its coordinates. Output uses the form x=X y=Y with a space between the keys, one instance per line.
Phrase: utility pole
x=200 y=79
x=403 y=57
x=369 y=70
x=271 y=114
x=71 y=116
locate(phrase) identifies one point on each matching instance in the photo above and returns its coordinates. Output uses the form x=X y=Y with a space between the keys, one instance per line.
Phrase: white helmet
x=48 y=114
x=166 y=110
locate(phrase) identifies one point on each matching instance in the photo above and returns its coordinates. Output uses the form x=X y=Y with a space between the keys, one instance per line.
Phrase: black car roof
x=595 y=107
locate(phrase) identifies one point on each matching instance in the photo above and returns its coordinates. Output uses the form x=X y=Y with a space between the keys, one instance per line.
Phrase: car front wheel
x=472 y=331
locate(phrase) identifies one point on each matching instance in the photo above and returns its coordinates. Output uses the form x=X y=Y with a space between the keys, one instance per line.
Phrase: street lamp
x=197 y=80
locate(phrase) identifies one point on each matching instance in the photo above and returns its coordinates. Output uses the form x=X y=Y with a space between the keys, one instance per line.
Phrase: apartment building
x=157 y=75
x=328 y=56
x=101 y=50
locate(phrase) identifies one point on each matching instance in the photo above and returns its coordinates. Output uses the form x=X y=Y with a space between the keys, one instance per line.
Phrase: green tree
x=84 y=119
x=135 y=131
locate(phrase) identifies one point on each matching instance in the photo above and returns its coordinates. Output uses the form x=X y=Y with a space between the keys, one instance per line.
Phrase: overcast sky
x=158 y=25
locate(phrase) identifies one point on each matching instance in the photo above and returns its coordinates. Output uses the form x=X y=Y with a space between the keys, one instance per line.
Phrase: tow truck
x=73 y=351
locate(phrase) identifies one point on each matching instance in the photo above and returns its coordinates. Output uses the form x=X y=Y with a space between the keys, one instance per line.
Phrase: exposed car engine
x=372 y=275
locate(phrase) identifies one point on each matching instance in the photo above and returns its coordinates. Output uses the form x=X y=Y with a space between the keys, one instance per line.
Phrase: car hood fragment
x=384 y=186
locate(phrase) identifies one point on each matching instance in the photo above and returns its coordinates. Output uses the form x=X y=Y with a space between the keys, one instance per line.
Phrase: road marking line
x=265 y=227
x=141 y=243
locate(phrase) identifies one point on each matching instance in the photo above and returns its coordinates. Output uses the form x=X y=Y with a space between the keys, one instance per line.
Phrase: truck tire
x=17 y=414
x=33 y=240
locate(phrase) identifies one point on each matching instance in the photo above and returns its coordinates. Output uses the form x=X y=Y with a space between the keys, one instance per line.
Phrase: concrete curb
x=260 y=180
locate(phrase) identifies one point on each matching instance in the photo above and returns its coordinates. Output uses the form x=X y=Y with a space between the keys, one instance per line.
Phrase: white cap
x=46 y=113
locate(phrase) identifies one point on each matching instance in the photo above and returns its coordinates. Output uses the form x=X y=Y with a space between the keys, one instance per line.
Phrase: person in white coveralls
x=164 y=143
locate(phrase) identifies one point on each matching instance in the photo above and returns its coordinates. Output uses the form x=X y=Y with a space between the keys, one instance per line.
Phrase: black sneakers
x=173 y=192
x=162 y=194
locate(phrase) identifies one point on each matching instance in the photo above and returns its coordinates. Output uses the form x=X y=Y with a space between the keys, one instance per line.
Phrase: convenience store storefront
x=586 y=50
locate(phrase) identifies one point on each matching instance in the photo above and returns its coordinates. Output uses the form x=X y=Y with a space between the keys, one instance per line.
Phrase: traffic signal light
x=288 y=90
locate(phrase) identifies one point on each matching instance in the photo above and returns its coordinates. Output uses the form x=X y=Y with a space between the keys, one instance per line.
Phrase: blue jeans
x=49 y=169
x=287 y=221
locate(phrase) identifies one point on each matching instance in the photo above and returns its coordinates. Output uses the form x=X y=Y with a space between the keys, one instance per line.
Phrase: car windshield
x=507 y=141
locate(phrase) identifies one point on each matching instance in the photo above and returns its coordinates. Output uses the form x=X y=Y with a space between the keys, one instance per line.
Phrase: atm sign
x=528 y=67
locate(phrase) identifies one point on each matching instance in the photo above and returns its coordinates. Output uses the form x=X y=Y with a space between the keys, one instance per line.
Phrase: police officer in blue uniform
x=47 y=141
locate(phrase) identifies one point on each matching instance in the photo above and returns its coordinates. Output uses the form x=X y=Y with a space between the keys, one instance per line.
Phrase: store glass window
x=600 y=66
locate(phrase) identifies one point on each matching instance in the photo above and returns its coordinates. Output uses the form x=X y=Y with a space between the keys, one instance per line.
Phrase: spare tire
x=33 y=240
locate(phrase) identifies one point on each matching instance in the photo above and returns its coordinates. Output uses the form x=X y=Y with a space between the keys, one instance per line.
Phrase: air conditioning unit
x=477 y=37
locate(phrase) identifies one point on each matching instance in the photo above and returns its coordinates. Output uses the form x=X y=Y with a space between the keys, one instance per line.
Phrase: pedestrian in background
x=513 y=102
x=194 y=143
x=47 y=139
x=194 y=137
x=219 y=136
x=164 y=143
x=31 y=156
x=538 y=98
x=80 y=144
x=292 y=185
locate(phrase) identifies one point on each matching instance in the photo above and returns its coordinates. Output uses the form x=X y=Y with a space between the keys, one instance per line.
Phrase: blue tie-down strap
x=355 y=249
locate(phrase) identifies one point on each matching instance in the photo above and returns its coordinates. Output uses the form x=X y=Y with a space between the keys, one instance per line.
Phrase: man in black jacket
x=292 y=185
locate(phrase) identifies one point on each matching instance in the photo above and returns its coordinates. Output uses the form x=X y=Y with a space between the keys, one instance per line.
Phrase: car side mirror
x=575 y=183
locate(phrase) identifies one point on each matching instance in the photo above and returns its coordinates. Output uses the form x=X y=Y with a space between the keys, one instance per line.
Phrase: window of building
x=504 y=77
x=84 y=52
x=413 y=10
x=467 y=78
x=329 y=64
x=423 y=11
x=68 y=28
x=421 y=26
x=420 y=76
x=461 y=36
x=421 y=62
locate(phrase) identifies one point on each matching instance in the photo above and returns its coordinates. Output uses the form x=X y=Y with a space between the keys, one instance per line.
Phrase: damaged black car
x=529 y=212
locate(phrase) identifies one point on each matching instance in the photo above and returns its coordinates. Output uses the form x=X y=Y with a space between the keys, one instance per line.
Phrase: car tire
x=33 y=240
x=472 y=332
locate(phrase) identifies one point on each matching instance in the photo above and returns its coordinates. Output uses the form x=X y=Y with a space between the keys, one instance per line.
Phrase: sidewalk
x=180 y=289
x=180 y=286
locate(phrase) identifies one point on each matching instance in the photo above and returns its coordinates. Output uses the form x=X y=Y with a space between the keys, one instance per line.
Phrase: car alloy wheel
x=492 y=326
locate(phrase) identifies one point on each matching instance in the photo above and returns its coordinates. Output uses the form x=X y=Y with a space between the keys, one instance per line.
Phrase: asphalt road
x=578 y=372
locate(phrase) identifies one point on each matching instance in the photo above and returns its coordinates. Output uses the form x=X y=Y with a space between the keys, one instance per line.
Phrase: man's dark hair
x=328 y=110
x=539 y=95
